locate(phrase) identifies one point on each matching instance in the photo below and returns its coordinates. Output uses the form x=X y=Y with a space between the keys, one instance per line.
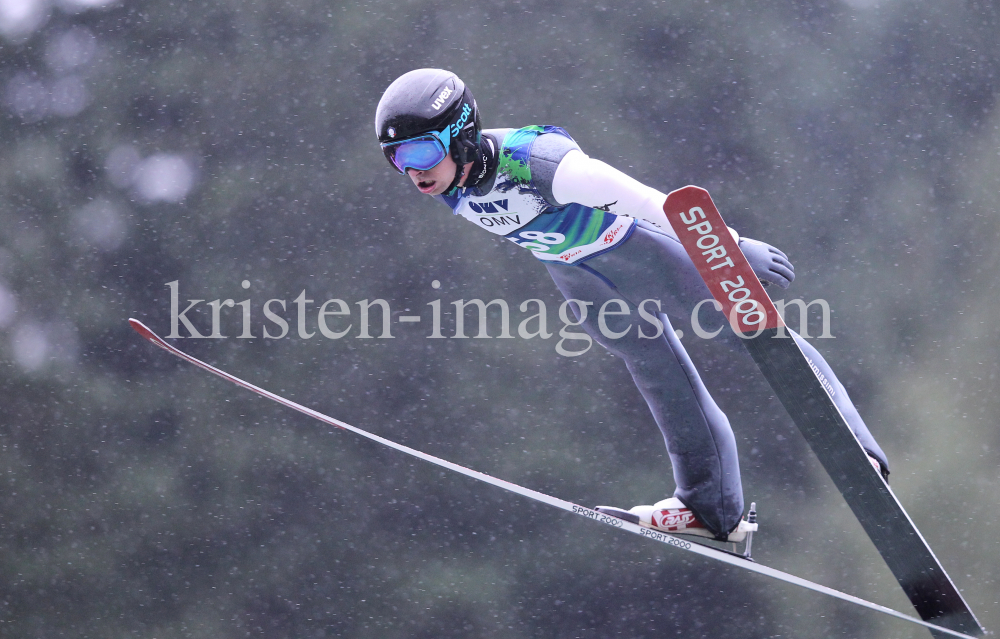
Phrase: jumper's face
x=435 y=180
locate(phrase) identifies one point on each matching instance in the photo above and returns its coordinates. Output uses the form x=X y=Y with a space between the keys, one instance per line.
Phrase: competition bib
x=515 y=209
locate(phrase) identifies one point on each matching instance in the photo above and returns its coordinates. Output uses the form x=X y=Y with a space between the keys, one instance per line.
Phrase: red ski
x=700 y=227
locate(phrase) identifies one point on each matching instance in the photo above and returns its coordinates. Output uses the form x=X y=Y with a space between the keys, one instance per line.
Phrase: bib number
x=538 y=241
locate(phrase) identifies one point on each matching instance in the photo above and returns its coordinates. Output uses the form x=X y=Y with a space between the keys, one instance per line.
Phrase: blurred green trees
x=212 y=143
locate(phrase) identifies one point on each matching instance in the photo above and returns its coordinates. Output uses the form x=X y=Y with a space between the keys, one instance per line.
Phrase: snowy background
x=216 y=142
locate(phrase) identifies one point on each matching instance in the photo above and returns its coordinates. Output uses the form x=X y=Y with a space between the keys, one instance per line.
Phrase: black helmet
x=429 y=102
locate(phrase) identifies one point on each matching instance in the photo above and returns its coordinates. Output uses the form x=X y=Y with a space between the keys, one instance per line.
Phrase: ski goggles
x=421 y=153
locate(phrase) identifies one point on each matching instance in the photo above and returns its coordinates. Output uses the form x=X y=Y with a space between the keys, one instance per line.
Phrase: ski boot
x=877 y=465
x=673 y=517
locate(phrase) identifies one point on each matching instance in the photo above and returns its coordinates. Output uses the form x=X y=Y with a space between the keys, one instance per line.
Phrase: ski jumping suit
x=595 y=229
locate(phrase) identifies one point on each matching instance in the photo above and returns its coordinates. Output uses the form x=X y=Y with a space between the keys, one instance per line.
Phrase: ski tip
x=689 y=189
x=141 y=329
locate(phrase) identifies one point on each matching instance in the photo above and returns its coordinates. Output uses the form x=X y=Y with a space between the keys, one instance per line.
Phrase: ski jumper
x=603 y=236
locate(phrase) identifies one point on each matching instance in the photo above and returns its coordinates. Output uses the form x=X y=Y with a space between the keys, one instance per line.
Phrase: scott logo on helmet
x=466 y=112
x=439 y=101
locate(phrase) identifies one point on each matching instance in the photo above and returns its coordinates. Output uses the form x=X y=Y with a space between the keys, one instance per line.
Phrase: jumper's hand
x=770 y=265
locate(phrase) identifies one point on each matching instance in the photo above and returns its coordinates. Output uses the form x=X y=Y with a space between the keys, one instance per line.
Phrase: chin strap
x=483 y=154
x=458 y=178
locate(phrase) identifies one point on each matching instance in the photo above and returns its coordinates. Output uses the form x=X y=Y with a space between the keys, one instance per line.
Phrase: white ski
x=669 y=540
